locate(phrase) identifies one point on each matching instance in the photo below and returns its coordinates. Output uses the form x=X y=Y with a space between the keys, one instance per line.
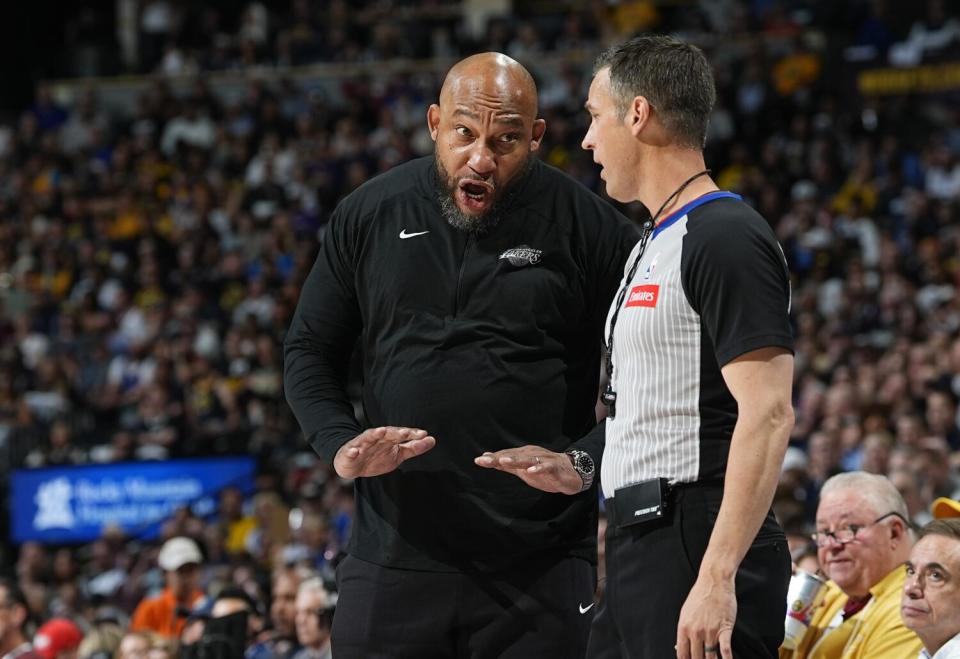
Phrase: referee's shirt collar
x=690 y=205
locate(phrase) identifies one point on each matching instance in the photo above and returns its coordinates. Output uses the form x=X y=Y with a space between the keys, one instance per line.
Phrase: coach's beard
x=476 y=224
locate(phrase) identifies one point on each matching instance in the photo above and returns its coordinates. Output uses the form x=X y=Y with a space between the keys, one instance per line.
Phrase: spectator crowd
x=150 y=263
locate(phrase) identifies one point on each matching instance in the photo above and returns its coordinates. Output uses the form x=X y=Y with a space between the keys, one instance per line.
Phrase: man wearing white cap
x=166 y=614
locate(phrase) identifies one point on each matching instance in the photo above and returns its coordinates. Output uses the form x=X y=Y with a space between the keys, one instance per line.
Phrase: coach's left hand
x=535 y=466
x=706 y=621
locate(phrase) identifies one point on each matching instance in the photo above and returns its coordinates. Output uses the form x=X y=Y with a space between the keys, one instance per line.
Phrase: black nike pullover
x=487 y=343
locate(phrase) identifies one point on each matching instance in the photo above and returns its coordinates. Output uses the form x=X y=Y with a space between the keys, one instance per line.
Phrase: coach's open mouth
x=474 y=196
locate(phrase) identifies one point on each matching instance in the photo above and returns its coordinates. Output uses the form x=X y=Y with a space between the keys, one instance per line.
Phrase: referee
x=700 y=370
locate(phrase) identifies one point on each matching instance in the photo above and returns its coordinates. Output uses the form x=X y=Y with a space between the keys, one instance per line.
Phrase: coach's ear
x=433 y=120
x=539 y=128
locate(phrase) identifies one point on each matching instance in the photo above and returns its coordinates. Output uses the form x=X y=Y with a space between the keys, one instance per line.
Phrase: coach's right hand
x=380 y=450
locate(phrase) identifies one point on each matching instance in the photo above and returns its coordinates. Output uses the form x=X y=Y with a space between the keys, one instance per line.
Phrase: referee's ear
x=639 y=114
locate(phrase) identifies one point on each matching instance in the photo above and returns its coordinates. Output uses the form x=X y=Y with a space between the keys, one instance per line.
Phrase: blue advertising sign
x=74 y=504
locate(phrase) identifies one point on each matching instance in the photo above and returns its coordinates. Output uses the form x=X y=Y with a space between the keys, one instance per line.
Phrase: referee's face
x=485 y=129
x=610 y=138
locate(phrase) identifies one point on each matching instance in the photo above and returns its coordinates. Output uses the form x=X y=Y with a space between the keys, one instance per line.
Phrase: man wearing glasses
x=863 y=541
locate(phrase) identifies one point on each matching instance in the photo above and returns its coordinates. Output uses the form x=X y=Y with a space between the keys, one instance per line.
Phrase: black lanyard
x=609 y=396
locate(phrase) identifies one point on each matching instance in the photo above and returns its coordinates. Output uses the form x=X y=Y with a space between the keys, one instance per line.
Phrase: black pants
x=535 y=609
x=652 y=567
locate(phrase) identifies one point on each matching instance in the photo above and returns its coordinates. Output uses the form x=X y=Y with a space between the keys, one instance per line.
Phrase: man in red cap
x=57 y=638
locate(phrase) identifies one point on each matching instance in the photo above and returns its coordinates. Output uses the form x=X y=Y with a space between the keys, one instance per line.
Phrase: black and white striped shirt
x=712 y=285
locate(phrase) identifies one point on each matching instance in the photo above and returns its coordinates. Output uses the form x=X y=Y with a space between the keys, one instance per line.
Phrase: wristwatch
x=583 y=465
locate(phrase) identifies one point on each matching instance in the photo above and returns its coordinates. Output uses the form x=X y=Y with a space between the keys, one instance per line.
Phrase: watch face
x=584 y=464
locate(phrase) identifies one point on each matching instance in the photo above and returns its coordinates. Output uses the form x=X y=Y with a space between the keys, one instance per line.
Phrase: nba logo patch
x=652 y=267
x=643 y=296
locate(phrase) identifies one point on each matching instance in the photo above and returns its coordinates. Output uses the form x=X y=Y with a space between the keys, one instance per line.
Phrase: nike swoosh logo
x=584 y=609
x=404 y=235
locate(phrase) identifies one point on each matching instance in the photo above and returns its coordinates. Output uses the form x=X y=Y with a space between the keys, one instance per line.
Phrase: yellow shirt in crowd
x=875 y=632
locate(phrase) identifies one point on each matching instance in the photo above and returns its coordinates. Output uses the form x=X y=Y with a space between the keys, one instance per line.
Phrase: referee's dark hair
x=674 y=77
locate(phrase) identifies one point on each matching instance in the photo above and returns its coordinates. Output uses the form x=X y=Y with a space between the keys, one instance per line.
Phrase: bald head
x=486 y=130
x=491 y=75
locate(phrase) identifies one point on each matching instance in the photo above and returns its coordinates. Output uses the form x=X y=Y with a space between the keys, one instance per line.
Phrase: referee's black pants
x=652 y=567
x=535 y=609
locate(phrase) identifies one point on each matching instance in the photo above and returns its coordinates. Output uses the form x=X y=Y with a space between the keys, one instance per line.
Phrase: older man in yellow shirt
x=863 y=540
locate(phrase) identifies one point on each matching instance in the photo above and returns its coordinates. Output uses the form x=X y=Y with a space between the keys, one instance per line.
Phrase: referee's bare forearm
x=761 y=383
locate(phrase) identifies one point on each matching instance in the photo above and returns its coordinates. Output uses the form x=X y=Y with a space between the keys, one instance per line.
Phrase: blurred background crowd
x=155 y=229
